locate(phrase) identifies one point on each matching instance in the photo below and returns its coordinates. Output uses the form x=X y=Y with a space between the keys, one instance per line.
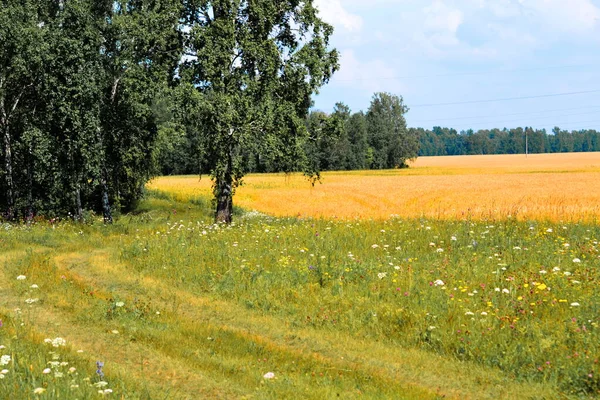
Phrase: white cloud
x=333 y=12
x=576 y=16
x=357 y=73
x=441 y=18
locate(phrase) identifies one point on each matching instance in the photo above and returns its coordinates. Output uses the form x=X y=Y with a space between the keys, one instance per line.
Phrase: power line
x=506 y=99
x=529 y=119
x=507 y=115
x=499 y=71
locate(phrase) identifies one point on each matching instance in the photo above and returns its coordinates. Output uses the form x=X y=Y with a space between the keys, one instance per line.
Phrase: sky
x=541 y=54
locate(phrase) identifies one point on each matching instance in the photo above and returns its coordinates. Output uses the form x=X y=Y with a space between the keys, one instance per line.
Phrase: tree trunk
x=106 y=211
x=78 y=207
x=224 y=201
x=224 y=193
x=10 y=195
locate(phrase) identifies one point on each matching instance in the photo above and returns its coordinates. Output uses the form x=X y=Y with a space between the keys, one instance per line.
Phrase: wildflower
x=516 y=248
x=576 y=260
x=381 y=275
x=105 y=391
x=542 y=286
x=439 y=282
x=497 y=289
x=34 y=286
x=469 y=313
x=575 y=304
x=484 y=313
x=57 y=342
x=397 y=268
x=31 y=301
x=440 y=250
x=99 y=365
x=5 y=359
x=46 y=371
x=543 y=272
x=39 y=390
x=269 y=375
x=453 y=238
x=4 y=371
x=567 y=273
x=72 y=369
x=505 y=291
x=555 y=269
x=375 y=246
x=119 y=304
x=101 y=384
x=21 y=277
x=549 y=230
x=431 y=328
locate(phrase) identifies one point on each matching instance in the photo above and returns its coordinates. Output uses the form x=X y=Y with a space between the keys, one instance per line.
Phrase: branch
x=114 y=90
x=16 y=103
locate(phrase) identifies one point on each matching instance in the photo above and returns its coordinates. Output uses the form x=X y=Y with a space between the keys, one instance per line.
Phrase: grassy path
x=203 y=347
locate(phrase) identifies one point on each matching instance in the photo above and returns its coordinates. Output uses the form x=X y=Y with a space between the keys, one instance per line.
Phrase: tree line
x=342 y=140
x=448 y=142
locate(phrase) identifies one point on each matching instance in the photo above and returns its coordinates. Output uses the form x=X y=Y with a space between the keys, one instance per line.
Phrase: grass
x=177 y=307
x=557 y=187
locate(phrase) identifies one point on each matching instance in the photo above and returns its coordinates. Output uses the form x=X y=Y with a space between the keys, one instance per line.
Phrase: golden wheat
x=557 y=187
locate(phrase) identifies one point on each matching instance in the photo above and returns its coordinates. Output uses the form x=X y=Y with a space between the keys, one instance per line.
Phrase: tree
x=387 y=133
x=256 y=64
x=21 y=48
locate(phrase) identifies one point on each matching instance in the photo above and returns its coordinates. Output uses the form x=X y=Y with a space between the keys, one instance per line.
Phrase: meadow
x=417 y=306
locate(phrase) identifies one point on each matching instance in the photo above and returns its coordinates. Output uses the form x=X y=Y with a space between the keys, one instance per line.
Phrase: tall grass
x=175 y=305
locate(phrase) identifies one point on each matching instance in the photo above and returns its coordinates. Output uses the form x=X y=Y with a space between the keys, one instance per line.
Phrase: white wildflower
x=21 y=277
x=382 y=275
x=576 y=260
x=269 y=375
x=575 y=304
x=439 y=282
x=5 y=359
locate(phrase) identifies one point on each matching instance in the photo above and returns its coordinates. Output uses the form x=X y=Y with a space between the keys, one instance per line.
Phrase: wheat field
x=555 y=187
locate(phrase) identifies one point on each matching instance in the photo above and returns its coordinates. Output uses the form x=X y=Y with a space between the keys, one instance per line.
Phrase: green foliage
x=77 y=84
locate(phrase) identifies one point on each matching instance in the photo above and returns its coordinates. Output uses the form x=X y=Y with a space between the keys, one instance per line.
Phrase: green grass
x=177 y=307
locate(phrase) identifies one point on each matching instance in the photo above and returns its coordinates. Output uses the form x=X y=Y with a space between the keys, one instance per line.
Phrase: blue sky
x=448 y=51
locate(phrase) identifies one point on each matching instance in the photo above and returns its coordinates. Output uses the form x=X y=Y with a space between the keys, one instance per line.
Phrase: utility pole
x=526 y=143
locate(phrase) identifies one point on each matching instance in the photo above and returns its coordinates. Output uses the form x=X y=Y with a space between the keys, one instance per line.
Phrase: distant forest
x=448 y=142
